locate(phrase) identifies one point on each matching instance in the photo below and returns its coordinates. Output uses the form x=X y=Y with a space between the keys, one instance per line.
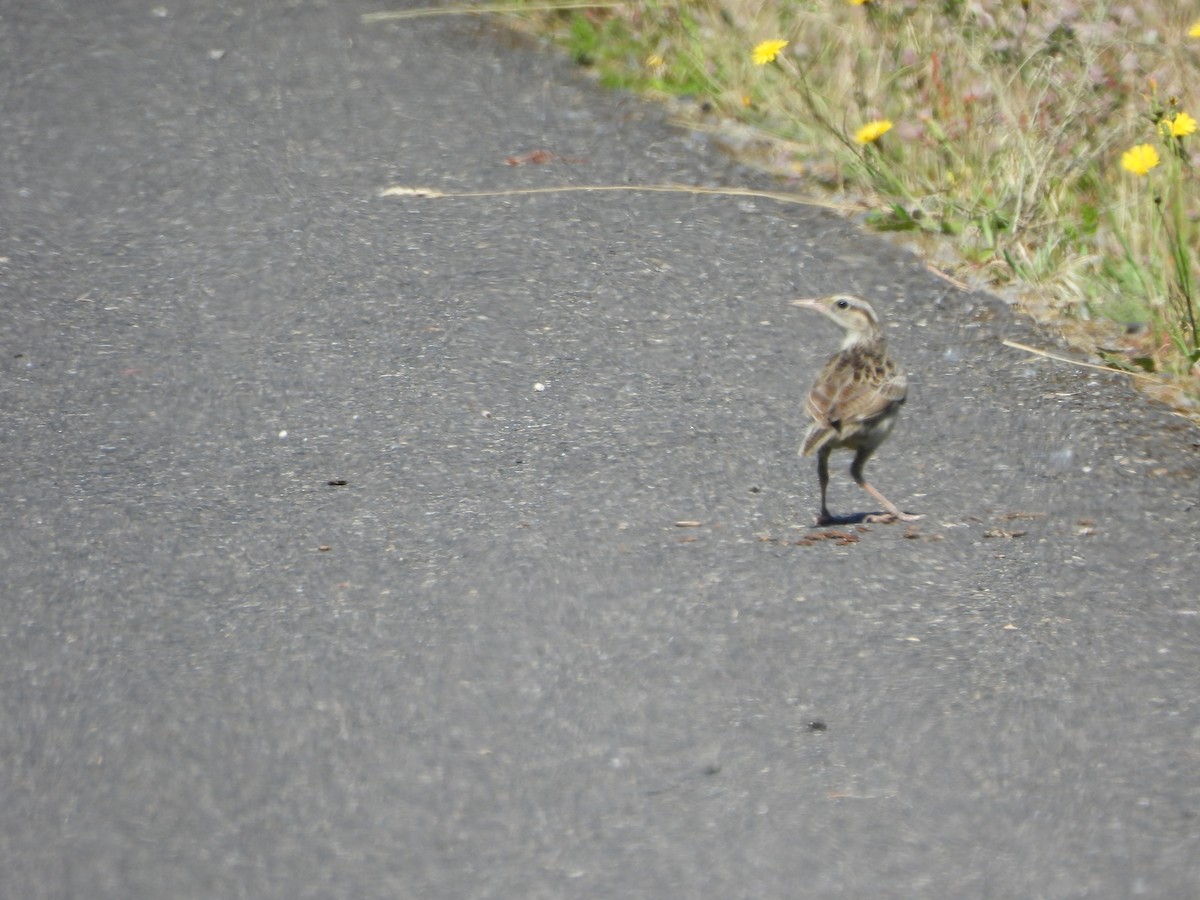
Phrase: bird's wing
x=866 y=400
x=823 y=406
x=893 y=389
x=847 y=395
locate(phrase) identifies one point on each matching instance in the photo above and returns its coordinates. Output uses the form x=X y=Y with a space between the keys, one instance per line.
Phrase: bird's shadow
x=859 y=518
x=852 y=519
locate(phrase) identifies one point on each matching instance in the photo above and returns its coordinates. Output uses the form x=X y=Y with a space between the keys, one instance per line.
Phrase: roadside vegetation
x=1053 y=146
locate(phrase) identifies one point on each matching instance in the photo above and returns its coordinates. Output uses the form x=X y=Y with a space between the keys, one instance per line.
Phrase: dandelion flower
x=873 y=131
x=1140 y=159
x=767 y=51
x=1194 y=31
x=1180 y=125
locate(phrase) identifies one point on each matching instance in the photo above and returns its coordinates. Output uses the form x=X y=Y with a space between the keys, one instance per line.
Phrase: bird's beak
x=809 y=303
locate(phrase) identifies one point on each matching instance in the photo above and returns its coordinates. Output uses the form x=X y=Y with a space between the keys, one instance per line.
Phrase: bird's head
x=855 y=315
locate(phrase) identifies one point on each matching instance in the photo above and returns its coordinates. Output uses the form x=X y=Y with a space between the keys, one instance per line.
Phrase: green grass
x=1009 y=125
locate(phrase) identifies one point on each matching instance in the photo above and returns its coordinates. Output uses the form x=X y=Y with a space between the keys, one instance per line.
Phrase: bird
x=855 y=400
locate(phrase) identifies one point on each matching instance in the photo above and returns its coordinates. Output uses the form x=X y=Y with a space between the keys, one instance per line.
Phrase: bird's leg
x=893 y=511
x=823 y=477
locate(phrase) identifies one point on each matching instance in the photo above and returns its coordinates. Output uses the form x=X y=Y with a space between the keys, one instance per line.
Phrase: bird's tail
x=817 y=437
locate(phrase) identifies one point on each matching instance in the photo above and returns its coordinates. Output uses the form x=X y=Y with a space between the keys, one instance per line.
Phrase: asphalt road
x=491 y=663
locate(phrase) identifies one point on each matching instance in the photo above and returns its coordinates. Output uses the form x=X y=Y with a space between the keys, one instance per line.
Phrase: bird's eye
x=843 y=304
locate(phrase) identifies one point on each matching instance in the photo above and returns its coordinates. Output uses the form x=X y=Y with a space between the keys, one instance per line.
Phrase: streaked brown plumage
x=855 y=399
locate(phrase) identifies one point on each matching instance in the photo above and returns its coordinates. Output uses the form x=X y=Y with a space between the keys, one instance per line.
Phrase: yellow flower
x=873 y=131
x=1194 y=31
x=859 y=2
x=1179 y=125
x=767 y=51
x=1140 y=159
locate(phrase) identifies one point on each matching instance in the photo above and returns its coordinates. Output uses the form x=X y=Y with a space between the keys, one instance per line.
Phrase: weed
x=1006 y=127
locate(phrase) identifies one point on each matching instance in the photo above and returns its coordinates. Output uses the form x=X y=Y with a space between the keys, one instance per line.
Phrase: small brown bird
x=855 y=400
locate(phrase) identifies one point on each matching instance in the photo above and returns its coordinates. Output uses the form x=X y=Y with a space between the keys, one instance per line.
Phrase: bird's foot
x=890 y=518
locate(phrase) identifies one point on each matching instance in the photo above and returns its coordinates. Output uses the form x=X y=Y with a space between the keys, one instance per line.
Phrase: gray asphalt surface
x=491 y=664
